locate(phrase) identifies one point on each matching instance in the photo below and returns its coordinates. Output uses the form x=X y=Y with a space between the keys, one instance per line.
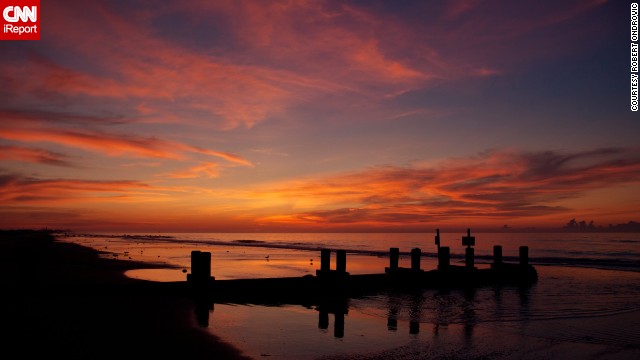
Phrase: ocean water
x=586 y=303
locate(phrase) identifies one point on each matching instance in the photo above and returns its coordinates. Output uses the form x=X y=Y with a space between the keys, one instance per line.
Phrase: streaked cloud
x=34 y=155
x=306 y=50
x=209 y=170
x=492 y=185
x=237 y=110
x=18 y=189
x=115 y=144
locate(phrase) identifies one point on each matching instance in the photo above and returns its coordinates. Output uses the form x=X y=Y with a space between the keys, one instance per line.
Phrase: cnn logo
x=20 y=20
x=15 y=13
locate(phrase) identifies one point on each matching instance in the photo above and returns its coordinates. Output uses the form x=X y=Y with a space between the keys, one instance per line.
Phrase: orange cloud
x=490 y=189
x=32 y=155
x=15 y=189
x=209 y=170
x=224 y=155
x=497 y=185
x=115 y=144
x=109 y=144
x=283 y=54
x=171 y=82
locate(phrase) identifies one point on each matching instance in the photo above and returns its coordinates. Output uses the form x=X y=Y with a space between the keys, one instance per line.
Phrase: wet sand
x=63 y=300
x=125 y=317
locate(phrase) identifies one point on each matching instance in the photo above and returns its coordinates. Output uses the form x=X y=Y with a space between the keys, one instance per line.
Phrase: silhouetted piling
x=200 y=277
x=332 y=280
x=331 y=284
x=200 y=265
x=438 y=238
x=325 y=260
x=415 y=259
x=497 y=256
x=394 y=255
x=341 y=261
x=195 y=263
x=524 y=255
x=443 y=258
x=469 y=258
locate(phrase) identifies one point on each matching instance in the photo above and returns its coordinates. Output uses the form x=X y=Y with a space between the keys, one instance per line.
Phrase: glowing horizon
x=319 y=116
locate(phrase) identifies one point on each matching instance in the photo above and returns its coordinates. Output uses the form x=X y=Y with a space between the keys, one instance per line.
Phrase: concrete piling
x=195 y=257
x=469 y=258
x=200 y=277
x=325 y=260
x=332 y=277
x=497 y=256
x=200 y=265
x=341 y=261
x=443 y=258
x=524 y=255
x=394 y=256
x=415 y=259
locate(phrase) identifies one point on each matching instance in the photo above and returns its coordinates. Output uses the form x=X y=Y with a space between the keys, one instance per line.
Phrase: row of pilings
x=444 y=258
x=338 y=282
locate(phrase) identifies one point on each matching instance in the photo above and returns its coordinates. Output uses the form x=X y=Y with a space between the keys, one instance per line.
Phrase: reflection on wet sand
x=437 y=307
x=339 y=308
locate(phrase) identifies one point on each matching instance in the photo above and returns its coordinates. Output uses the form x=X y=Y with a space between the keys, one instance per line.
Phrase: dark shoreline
x=63 y=299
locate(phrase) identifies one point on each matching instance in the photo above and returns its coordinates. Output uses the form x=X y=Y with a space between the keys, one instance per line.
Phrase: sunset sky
x=319 y=116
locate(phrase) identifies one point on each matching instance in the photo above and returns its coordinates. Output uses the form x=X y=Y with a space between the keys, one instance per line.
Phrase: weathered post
x=524 y=255
x=200 y=278
x=195 y=263
x=415 y=259
x=497 y=256
x=438 y=238
x=469 y=257
x=325 y=260
x=394 y=255
x=341 y=261
x=200 y=266
x=205 y=263
x=443 y=258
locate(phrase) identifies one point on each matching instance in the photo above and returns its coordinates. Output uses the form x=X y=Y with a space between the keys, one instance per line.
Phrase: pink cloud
x=115 y=144
x=33 y=155
x=208 y=169
x=283 y=54
x=456 y=8
x=110 y=144
x=498 y=185
x=15 y=189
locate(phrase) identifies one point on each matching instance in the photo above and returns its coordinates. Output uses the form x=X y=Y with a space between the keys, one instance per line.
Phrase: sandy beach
x=67 y=299
x=61 y=299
